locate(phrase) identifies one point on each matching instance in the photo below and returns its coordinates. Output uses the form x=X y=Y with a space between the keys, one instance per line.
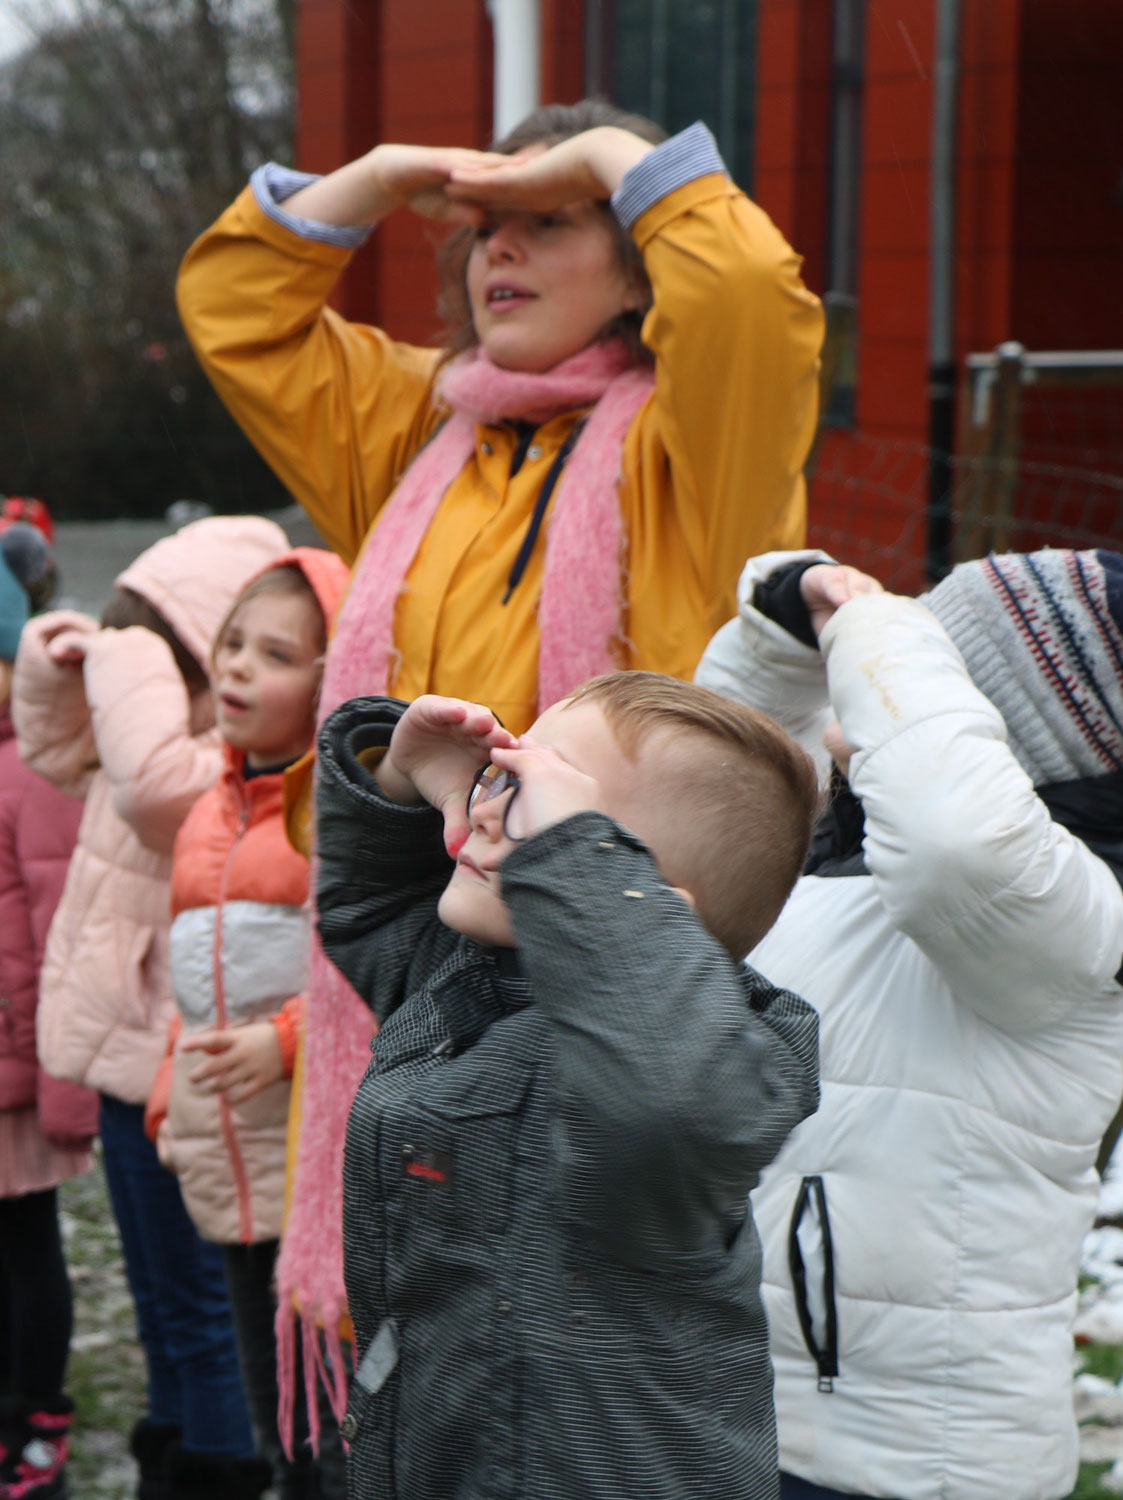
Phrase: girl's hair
x=548 y=126
x=126 y=607
x=5 y=683
x=287 y=580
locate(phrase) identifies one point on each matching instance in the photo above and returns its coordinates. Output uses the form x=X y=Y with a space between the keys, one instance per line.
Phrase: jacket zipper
x=225 y=1113
x=825 y=1355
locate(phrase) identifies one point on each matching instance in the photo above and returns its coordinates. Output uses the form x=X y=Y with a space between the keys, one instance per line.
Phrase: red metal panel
x=898 y=121
x=899 y=38
x=894 y=296
x=563 y=51
x=1068 y=227
x=895 y=208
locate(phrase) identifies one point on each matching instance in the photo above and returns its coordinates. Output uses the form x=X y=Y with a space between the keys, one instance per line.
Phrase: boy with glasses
x=549 y=1255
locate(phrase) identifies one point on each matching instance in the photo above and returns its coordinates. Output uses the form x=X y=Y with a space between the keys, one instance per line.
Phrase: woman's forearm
x=354 y=194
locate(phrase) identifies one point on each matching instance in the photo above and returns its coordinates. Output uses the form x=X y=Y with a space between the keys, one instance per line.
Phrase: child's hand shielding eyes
x=437 y=747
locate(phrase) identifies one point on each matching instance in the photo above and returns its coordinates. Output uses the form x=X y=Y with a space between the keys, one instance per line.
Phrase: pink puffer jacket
x=38 y=826
x=123 y=733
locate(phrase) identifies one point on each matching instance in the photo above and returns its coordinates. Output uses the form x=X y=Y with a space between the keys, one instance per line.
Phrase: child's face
x=266 y=677
x=543 y=286
x=472 y=902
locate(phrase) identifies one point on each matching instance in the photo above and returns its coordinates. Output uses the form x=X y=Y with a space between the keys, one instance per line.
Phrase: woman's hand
x=241 y=1061
x=827 y=586
x=589 y=165
x=417 y=177
x=386 y=178
x=458 y=185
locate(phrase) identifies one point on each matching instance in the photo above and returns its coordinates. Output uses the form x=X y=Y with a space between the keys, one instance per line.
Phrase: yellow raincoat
x=711 y=469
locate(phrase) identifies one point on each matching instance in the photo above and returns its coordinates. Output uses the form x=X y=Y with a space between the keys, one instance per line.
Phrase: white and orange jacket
x=123 y=735
x=239 y=954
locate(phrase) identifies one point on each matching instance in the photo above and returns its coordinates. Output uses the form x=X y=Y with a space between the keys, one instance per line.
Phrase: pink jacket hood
x=327 y=575
x=191 y=577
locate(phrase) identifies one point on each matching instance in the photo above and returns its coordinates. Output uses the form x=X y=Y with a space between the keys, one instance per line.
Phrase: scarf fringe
x=325 y=1363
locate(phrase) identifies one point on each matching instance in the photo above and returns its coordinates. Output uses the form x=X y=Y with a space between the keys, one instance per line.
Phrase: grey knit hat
x=1042 y=636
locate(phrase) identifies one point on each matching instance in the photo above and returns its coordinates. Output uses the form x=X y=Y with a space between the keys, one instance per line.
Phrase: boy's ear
x=680 y=890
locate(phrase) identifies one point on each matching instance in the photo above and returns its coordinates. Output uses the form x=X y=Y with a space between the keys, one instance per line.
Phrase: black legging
x=36 y=1310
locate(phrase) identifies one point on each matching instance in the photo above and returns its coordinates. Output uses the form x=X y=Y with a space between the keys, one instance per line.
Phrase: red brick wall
x=1068 y=189
x=987 y=148
x=339 y=106
x=870 y=490
x=793 y=124
x=392 y=70
x=563 y=51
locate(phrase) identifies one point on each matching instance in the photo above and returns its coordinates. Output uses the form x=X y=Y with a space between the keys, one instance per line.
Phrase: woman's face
x=542 y=286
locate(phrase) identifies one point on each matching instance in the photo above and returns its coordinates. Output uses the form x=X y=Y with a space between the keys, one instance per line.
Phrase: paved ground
x=106 y=1366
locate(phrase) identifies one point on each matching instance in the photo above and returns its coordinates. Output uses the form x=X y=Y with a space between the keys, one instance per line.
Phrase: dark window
x=841 y=300
x=678 y=61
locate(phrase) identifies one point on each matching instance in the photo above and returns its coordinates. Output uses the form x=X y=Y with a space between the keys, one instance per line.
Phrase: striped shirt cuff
x=272 y=184
x=690 y=154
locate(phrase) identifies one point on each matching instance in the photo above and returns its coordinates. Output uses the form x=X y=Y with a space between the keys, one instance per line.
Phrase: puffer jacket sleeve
x=1021 y=918
x=676 y=1074
x=755 y=661
x=68 y=1113
x=49 y=708
x=157 y=769
x=18 y=964
x=38 y=828
x=382 y=864
x=159 y=1096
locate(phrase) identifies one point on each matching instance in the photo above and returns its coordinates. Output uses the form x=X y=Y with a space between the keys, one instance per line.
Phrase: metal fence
x=1038 y=462
x=1041 y=451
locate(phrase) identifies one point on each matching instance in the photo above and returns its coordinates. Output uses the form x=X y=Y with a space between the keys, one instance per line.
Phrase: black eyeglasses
x=490 y=782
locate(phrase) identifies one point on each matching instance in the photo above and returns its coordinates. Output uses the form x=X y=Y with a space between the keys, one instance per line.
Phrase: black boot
x=148 y=1443
x=198 y=1476
x=34 y=1466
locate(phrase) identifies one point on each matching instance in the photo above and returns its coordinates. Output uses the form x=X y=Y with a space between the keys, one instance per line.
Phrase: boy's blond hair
x=732 y=806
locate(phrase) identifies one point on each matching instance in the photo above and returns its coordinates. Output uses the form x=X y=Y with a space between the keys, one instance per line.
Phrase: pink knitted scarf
x=579 y=617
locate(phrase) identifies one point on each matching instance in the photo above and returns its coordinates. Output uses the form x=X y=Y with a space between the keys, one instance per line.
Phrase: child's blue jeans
x=177 y=1283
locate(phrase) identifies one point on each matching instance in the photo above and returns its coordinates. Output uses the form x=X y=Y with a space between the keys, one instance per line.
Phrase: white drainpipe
x=517 y=27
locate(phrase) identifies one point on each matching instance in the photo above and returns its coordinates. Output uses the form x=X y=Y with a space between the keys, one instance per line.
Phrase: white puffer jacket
x=972 y=1032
